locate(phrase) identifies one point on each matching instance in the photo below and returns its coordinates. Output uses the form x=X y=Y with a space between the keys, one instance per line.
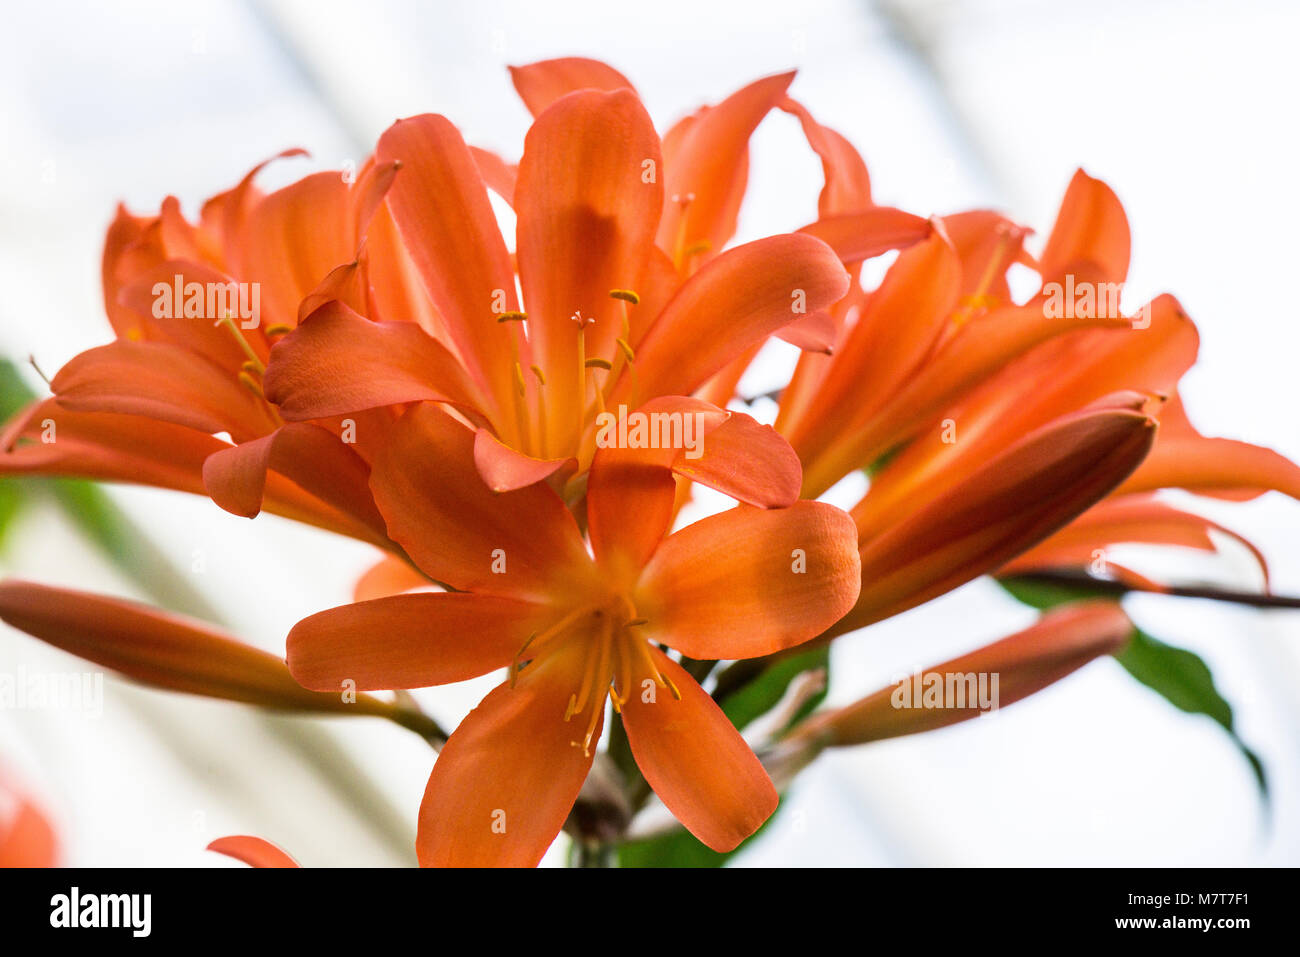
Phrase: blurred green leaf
x=1185 y=681
x=761 y=694
x=680 y=848
x=1180 y=676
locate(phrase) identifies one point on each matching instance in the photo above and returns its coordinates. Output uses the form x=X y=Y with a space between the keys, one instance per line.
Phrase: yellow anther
x=519 y=380
x=279 y=329
x=703 y=246
x=599 y=364
x=251 y=368
x=541 y=376
x=512 y=317
x=625 y=349
x=248 y=382
x=627 y=295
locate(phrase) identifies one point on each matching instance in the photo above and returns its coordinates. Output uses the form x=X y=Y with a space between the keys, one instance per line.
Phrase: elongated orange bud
x=1008 y=503
x=253 y=851
x=1061 y=642
x=167 y=651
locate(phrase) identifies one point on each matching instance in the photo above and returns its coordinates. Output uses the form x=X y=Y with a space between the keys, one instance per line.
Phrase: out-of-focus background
x=1186 y=109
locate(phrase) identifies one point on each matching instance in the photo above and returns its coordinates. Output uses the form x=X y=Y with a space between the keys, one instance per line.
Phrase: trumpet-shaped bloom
x=576 y=629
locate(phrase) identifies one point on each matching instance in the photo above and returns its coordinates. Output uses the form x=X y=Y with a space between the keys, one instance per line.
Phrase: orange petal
x=1125 y=519
x=734 y=302
x=1060 y=643
x=164 y=650
x=293 y=238
x=498 y=175
x=588 y=198
x=164 y=382
x=120 y=245
x=1183 y=458
x=441 y=209
x=898 y=328
x=746 y=460
x=630 y=491
x=26 y=837
x=987 y=244
x=388 y=576
x=1090 y=228
x=815 y=333
x=508 y=776
x=344 y=283
x=523 y=543
x=313 y=458
x=48 y=439
x=541 y=84
x=872 y=232
x=504 y=469
x=708 y=167
x=696 y=761
x=253 y=851
x=410 y=641
x=337 y=363
x=751 y=582
x=847 y=186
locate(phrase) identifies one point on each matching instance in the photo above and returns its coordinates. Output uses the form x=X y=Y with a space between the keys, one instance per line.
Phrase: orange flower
x=941 y=323
x=575 y=629
x=26 y=837
x=619 y=254
x=253 y=851
x=176 y=400
x=615 y=313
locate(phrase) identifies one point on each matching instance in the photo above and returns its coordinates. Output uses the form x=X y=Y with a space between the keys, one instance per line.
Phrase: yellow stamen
x=627 y=295
x=243 y=343
x=250 y=383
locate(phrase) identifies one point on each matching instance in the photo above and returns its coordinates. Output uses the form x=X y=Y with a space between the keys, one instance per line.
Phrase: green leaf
x=761 y=694
x=1043 y=595
x=1176 y=674
x=1185 y=681
x=680 y=848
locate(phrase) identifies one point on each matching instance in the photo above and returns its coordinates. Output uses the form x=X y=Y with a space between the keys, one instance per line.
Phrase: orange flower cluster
x=409 y=379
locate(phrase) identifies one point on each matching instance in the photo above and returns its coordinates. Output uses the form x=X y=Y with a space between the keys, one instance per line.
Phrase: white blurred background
x=1186 y=109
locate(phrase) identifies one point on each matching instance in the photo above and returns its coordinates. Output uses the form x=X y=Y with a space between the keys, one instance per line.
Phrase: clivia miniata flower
x=391 y=368
x=575 y=629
